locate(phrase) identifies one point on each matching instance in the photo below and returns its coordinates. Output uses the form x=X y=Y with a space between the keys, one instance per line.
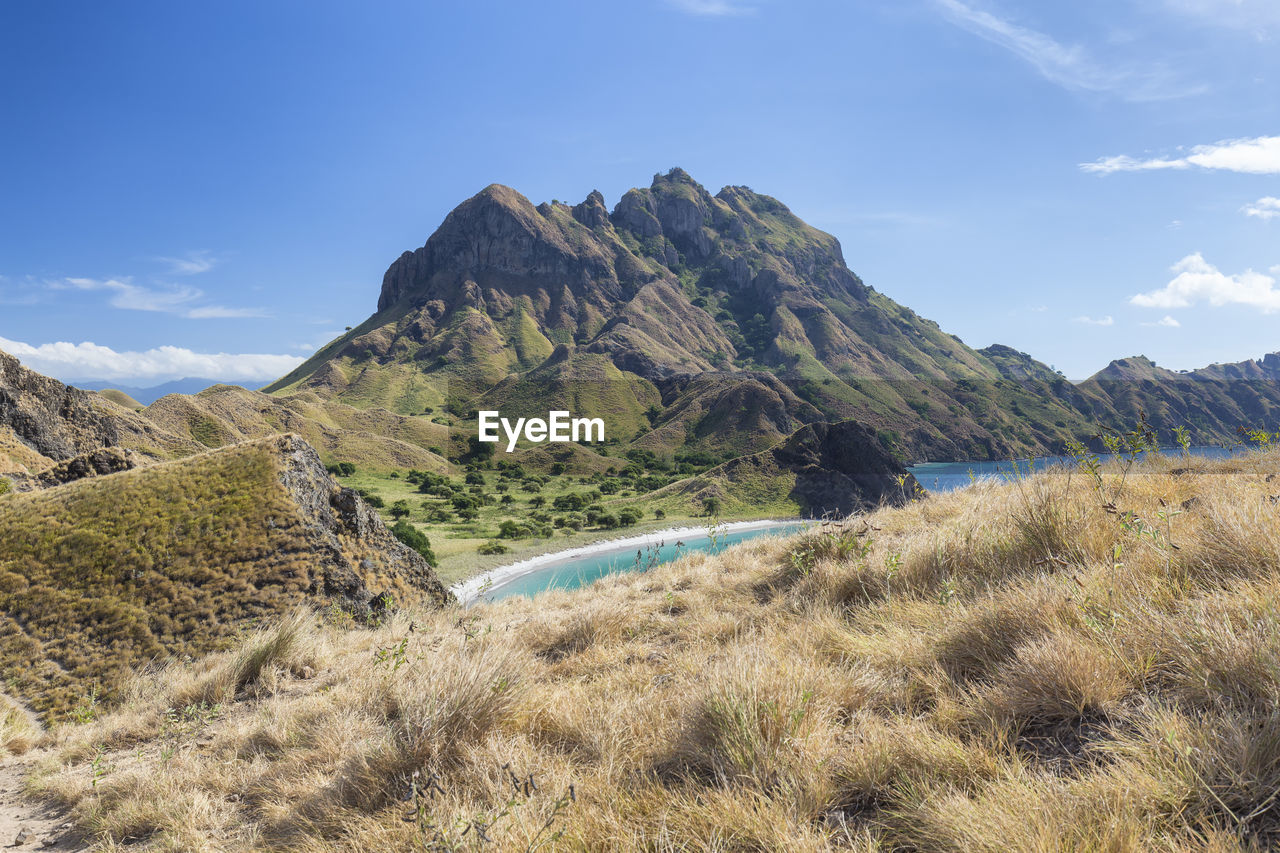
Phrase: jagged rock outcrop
x=53 y=419
x=841 y=468
x=362 y=561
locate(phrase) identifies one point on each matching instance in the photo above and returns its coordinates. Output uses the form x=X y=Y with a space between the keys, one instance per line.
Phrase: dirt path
x=29 y=825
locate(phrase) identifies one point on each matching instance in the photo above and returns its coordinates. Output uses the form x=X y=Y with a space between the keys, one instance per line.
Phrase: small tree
x=415 y=539
x=537 y=501
x=400 y=509
x=711 y=505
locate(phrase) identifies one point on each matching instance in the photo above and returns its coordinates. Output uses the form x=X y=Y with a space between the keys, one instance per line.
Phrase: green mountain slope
x=673 y=285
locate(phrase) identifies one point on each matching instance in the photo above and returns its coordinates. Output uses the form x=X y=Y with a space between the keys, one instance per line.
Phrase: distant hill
x=109 y=572
x=147 y=395
x=44 y=422
x=120 y=398
x=370 y=438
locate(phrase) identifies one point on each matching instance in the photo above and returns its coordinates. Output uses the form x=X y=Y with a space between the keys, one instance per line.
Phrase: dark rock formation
x=53 y=419
x=95 y=463
x=842 y=468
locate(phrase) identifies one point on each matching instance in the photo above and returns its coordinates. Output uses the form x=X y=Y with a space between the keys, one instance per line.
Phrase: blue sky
x=216 y=189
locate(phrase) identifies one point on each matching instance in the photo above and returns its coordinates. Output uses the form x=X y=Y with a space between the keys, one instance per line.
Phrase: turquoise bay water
x=573 y=572
x=949 y=476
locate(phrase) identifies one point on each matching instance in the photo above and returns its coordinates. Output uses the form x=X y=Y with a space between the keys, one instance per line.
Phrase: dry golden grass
x=1012 y=667
x=19 y=729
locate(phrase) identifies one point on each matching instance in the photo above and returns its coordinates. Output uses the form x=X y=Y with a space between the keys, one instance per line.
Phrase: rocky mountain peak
x=592 y=212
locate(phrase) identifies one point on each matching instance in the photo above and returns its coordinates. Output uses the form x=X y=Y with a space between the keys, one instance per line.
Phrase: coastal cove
x=581 y=566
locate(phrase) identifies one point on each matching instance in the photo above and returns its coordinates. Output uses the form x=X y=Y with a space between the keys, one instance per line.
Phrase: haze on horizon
x=216 y=191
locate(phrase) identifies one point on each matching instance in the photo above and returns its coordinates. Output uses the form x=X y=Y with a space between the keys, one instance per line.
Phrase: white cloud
x=1198 y=281
x=1100 y=321
x=86 y=361
x=172 y=300
x=1267 y=207
x=1069 y=66
x=1166 y=321
x=1257 y=156
x=713 y=8
x=193 y=263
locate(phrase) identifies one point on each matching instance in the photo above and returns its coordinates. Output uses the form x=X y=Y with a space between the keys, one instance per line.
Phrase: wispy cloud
x=1069 y=66
x=1166 y=322
x=192 y=263
x=85 y=361
x=10 y=296
x=1257 y=156
x=714 y=8
x=1197 y=281
x=1096 y=321
x=1267 y=207
x=1255 y=16
x=179 y=300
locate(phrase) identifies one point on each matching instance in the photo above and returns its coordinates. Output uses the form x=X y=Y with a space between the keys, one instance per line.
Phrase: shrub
x=415 y=539
x=492 y=547
x=512 y=530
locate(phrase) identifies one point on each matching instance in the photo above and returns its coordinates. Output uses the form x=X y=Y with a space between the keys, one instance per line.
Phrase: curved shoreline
x=469 y=590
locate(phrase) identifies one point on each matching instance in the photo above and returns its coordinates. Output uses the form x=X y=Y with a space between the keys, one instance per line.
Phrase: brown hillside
x=106 y=573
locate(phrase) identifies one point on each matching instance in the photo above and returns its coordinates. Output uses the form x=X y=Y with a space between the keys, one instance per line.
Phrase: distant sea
x=949 y=476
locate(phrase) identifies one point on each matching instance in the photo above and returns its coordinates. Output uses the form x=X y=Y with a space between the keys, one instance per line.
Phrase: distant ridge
x=146 y=395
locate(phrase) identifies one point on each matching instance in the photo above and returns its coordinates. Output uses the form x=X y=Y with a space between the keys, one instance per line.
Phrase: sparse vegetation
x=1006 y=667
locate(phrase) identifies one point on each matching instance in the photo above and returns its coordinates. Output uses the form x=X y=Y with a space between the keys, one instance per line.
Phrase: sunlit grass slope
x=1056 y=664
x=102 y=575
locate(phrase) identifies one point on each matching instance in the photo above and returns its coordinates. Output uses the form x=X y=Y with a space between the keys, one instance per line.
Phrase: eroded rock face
x=53 y=419
x=842 y=468
x=363 y=562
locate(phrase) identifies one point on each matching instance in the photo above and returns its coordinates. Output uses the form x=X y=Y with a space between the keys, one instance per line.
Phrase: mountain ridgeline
x=719 y=323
